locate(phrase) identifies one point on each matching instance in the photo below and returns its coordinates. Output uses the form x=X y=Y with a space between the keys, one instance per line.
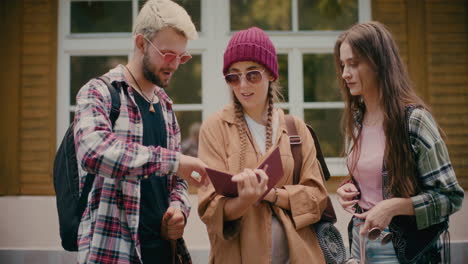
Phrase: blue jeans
x=374 y=251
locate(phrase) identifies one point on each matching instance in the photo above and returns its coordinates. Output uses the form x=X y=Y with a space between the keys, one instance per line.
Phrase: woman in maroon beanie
x=235 y=140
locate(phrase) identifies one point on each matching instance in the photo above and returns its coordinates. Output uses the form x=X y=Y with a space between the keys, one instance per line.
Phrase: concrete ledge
x=459 y=254
x=24 y=256
x=29 y=231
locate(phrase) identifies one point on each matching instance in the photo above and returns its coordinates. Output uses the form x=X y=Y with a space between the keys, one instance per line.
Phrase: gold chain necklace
x=151 y=108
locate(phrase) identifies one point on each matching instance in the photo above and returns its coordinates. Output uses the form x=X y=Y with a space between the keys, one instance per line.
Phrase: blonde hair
x=158 y=14
x=274 y=96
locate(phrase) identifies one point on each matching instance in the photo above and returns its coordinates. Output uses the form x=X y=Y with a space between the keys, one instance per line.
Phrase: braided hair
x=274 y=95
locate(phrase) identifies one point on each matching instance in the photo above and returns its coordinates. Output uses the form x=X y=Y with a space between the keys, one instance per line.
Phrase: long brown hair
x=273 y=96
x=372 y=42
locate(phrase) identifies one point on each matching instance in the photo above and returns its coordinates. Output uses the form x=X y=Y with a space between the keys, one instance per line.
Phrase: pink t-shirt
x=368 y=170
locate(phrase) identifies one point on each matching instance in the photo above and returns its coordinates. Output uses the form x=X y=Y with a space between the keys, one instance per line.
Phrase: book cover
x=224 y=186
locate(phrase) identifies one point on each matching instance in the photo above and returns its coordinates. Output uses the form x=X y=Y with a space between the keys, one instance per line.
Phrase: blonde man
x=138 y=205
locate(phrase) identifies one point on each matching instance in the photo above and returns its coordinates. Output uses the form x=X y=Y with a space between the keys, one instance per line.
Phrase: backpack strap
x=85 y=193
x=115 y=98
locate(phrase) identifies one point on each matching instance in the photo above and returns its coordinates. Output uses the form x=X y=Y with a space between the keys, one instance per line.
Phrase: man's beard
x=149 y=74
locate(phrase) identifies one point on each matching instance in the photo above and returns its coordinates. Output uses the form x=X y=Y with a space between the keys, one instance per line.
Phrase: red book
x=224 y=186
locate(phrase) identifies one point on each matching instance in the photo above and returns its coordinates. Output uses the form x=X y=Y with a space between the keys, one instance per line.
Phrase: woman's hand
x=347 y=194
x=382 y=213
x=250 y=189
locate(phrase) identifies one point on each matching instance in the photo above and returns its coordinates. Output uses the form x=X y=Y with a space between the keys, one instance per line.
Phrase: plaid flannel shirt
x=441 y=195
x=108 y=231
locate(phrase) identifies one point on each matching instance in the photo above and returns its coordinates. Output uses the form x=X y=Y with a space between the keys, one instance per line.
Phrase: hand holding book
x=251 y=184
x=226 y=184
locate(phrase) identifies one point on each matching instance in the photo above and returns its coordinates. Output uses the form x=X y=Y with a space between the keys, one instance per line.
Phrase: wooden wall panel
x=447 y=66
x=10 y=69
x=38 y=96
x=417 y=61
x=433 y=39
x=393 y=13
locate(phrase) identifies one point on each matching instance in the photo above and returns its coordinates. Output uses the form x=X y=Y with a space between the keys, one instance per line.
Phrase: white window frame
x=213 y=38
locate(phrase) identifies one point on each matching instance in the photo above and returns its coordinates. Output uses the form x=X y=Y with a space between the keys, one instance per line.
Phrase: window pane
x=283 y=75
x=83 y=68
x=320 y=84
x=193 y=8
x=185 y=86
x=101 y=16
x=189 y=120
x=265 y=14
x=326 y=123
x=327 y=14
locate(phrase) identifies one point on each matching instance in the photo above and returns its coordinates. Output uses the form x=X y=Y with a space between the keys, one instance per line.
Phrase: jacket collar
x=228 y=113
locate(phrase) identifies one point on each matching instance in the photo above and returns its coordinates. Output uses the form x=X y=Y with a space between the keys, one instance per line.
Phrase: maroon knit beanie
x=251 y=45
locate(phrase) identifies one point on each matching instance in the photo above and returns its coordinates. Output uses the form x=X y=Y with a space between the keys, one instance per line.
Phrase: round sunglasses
x=253 y=77
x=376 y=233
x=169 y=56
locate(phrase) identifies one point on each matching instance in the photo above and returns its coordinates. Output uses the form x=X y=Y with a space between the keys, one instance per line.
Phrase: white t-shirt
x=258 y=131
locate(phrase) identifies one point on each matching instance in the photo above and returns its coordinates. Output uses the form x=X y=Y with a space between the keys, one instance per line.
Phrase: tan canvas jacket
x=248 y=239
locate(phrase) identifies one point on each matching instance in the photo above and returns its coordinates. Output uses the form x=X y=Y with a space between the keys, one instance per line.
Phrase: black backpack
x=70 y=205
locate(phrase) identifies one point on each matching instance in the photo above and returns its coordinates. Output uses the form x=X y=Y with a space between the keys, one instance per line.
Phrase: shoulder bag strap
x=328 y=214
x=296 y=147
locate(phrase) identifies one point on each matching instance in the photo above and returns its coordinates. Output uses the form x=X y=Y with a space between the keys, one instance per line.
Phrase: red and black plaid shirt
x=108 y=231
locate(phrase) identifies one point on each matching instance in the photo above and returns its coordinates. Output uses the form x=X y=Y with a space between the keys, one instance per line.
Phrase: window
x=283 y=75
x=101 y=16
x=265 y=14
x=95 y=36
x=322 y=106
x=193 y=8
x=92 y=39
x=83 y=68
x=185 y=91
x=327 y=15
x=304 y=32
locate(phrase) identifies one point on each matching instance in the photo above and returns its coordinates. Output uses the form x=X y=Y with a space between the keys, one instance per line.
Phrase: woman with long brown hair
x=235 y=140
x=403 y=187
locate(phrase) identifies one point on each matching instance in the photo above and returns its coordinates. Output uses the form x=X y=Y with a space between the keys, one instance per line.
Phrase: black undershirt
x=154 y=194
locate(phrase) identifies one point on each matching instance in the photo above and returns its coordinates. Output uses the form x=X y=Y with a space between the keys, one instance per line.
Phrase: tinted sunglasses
x=169 y=56
x=376 y=233
x=253 y=77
